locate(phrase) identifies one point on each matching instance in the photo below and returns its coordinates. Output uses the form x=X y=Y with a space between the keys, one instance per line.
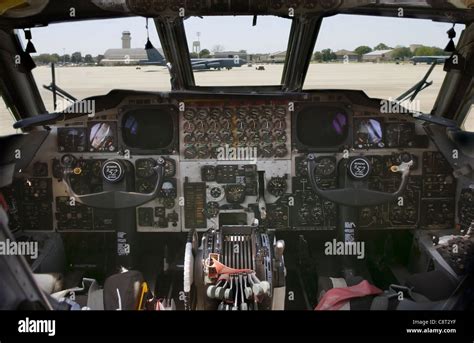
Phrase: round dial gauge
x=281 y=151
x=190 y=152
x=189 y=139
x=242 y=112
x=225 y=123
x=235 y=194
x=144 y=186
x=189 y=114
x=326 y=166
x=145 y=167
x=200 y=125
x=227 y=113
x=170 y=167
x=168 y=190
x=168 y=203
x=203 y=152
x=216 y=113
x=216 y=193
x=189 y=127
x=203 y=114
x=265 y=124
x=277 y=186
x=266 y=151
x=211 y=210
x=279 y=125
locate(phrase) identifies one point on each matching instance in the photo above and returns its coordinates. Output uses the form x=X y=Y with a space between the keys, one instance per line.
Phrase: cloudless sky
x=237 y=33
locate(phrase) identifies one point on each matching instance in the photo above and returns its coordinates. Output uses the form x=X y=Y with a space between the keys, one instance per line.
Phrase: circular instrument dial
x=189 y=127
x=211 y=210
x=170 y=167
x=277 y=186
x=189 y=114
x=144 y=186
x=145 y=167
x=168 y=190
x=326 y=166
x=190 y=152
x=235 y=194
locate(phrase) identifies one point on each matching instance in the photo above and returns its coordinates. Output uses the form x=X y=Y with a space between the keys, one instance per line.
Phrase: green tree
x=328 y=55
x=402 y=53
x=204 y=53
x=88 y=58
x=66 y=58
x=317 y=56
x=429 y=51
x=193 y=55
x=362 y=50
x=55 y=58
x=381 y=46
x=76 y=57
x=99 y=58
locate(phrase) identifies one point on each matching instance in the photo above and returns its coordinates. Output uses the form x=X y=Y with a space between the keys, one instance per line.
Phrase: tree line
x=75 y=58
x=401 y=53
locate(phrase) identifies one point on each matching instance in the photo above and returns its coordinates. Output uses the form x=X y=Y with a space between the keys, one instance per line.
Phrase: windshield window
x=6 y=120
x=382 y=56
x=468 y=124
x=94 y=57
x=230 y=51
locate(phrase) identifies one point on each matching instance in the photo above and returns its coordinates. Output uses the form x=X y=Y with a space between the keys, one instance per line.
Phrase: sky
x=237 y=33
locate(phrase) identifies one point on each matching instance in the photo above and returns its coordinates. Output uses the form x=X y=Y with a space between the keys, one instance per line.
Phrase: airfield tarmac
x=377 y=80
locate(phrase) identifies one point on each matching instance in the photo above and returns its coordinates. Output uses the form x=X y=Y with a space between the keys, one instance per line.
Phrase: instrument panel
x=225 y=158
x=211 y=132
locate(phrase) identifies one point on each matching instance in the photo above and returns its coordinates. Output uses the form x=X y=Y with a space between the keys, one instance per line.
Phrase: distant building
x=378 y=56
x=278 y=57
x=231 y=54
x=346 y=55
x=126 y=40
x=126 y=55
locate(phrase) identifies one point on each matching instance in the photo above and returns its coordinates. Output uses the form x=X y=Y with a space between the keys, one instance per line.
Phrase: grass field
x=377 y=80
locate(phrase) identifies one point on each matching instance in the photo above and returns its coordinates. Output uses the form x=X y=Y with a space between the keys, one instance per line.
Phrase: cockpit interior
x=208 y=197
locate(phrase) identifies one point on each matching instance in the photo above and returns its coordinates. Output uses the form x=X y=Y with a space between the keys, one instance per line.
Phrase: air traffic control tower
x=126 y=40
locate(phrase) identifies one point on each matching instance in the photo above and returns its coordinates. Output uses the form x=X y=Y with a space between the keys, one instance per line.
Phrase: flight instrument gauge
x=72 y=139
x=215 y=192
x=170 y=167
x=145 y=167
x=277 y=186
x=369 y=134
x=325 y=166
x=168 y=190
x=189 y=114
x=211 y=210
x=102 y=137
x=400 y=135
x=144 y=186
x=281 y=151
x=235 y=194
